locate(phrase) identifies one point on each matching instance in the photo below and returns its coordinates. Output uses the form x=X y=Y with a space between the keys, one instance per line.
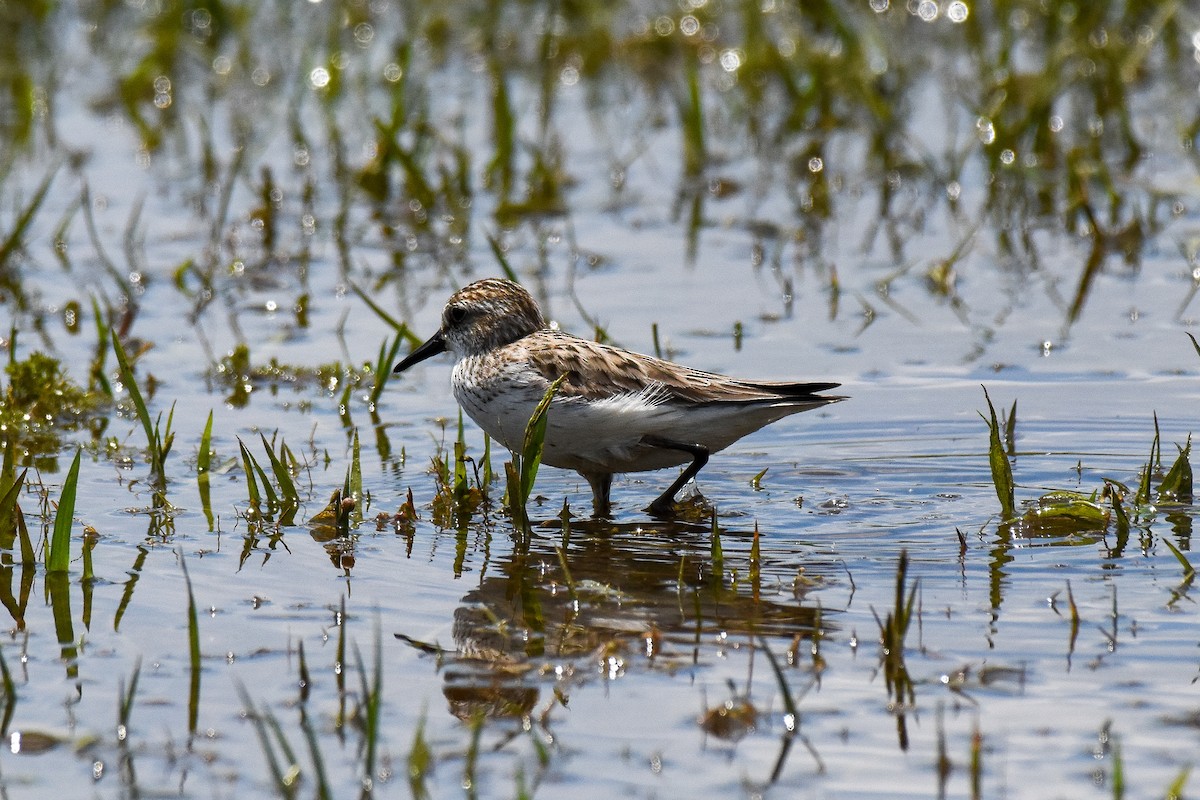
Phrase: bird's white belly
x=584 y=435
x=605 y=435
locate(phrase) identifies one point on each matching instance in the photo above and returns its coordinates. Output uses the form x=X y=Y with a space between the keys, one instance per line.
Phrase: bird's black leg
x=665 y=504
x=601 y=483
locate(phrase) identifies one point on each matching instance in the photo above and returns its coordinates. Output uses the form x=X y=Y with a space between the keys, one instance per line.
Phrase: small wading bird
x=615 y=411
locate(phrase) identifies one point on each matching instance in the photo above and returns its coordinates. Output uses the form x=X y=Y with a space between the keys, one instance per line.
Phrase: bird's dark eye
x=455 y=314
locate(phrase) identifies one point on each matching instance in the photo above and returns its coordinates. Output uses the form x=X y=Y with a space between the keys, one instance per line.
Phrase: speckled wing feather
x=596 y=371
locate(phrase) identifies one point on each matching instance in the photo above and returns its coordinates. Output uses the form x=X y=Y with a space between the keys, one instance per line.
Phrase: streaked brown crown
x=488 y=314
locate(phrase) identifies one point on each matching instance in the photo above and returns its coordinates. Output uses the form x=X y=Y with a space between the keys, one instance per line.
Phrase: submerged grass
x=58 y=554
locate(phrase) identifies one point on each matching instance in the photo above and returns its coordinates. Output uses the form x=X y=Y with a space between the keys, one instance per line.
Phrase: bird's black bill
x=431 y=348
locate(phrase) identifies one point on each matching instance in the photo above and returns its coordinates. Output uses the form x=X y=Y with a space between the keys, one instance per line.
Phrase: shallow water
x=592 y=659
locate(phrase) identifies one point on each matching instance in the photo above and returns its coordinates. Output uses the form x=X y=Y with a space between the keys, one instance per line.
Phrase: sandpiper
x=616 y=411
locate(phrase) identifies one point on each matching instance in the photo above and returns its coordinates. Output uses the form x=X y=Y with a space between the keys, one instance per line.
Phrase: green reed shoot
x=289 y=496
x=354 y=481
x=1142 y=497
x=1002 y=477
x=158 y=439
x=59 y=554
x=1195 y=344
x=254 y=473
x=281 y=504
x=522 y=470
x=193 y=650
x=1176 y=486
x=383 y=367
x=9 y=510
x=203 y=470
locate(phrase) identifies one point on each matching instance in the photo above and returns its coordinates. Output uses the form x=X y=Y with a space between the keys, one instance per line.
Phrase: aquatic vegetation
x=254 y=203
x=40 y=404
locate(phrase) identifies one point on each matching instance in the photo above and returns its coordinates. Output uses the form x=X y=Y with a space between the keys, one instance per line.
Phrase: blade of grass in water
x=203 y=467
x=535 y=439
x=193 y=650
x=1176 y=486
x=383 y=367
x=355 y=479
x=1001 y=469
x=289 y=496
x=1143 y=493
x=9 y=510
x=60 y=543
x=135 y=394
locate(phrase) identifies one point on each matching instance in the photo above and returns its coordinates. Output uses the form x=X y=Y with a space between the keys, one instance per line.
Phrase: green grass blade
x=60 y=543
x=1001 y=470
x=1176 y=486
x=253 y=495
x=290 y=502
x=383 y=367
x=135 y=394
x=535 y=438
x=9 y=510
x=1143 y=493
x=1195 y=344
x=203 y=471
x=193 y=650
